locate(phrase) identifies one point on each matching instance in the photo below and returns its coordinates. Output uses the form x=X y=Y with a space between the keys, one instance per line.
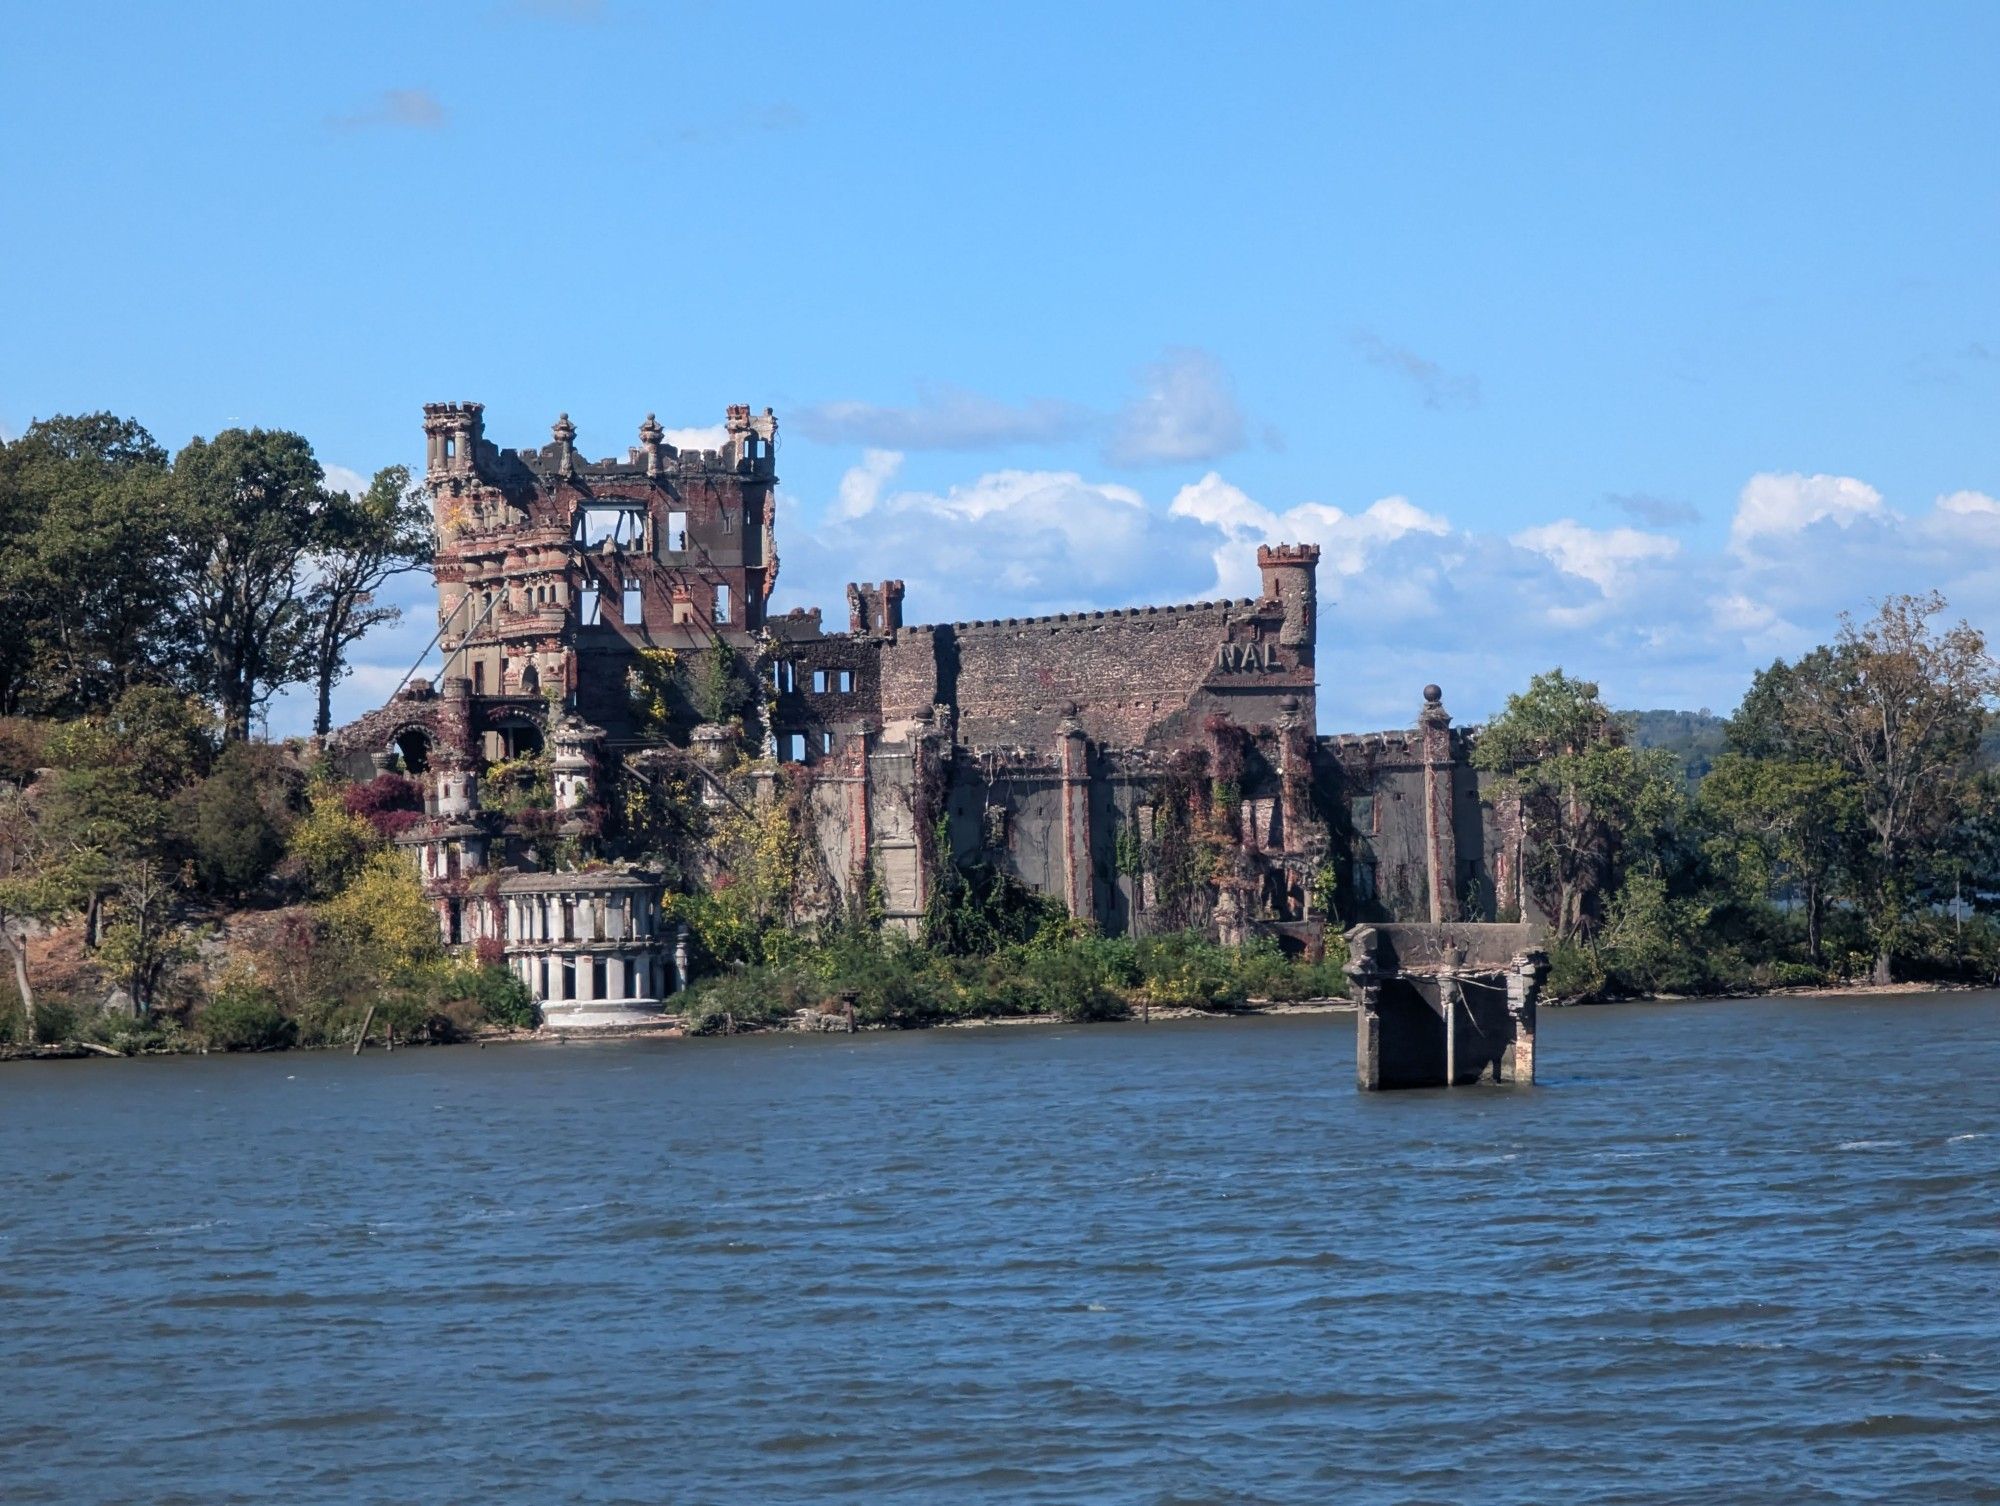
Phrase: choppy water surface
x=1742 y=1251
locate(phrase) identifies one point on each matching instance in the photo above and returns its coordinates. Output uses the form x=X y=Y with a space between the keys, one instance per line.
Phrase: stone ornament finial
x=650 y=432
x=563 y=430
x=1433 y=694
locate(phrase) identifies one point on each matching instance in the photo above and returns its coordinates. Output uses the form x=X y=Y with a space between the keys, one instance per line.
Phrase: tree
x=363 y=543
x=144 y=942
x=1899 y=709
x=88 y=523
x=253 y=502
x=1583 y=792
x=236 y=834
x=1787 y=819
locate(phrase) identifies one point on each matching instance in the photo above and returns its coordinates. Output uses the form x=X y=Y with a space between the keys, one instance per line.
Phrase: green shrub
x=1575 y=974
x=1185 y=970
x=499 y=997
x=1796 y=975
x=245 y=1018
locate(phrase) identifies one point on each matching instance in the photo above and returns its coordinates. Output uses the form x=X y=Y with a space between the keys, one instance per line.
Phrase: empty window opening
x=795 y=747
x=826 y=742
x=597 y=977
x=416 y=751
x=588 y=610
x=819 y=682
x=843 y=681
x=450 y=448
x=543 y=991
x=784 y=675
x=632 y=609
x=631 y=979
x=457 y=937
x=478 y=677
x=677 y=531
x=569 y=920
x=722 y=603
x=621 y=527
x=727 y=525
x=569 y=977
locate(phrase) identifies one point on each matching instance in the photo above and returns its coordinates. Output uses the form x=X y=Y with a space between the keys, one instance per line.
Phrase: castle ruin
x=1151 y=767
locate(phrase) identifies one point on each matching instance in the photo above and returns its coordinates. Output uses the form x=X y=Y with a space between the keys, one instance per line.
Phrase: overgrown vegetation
x=1849 y=829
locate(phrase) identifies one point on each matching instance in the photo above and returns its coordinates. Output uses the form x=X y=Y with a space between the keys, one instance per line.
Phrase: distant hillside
x=1696 y=738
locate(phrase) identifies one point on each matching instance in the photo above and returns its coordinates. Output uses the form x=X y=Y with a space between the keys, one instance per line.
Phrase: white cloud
x=861 y=487
x=1187 y=413
x=705 y=437
x=1605 y=557
x=1774 y=504
x=1348 y=542
x=340 y=478
x=1969 y=505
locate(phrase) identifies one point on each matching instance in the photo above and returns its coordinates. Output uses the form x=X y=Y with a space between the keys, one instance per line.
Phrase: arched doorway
x=415 y=747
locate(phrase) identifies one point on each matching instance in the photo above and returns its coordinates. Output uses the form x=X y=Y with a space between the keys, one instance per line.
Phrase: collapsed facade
x=1151 y=768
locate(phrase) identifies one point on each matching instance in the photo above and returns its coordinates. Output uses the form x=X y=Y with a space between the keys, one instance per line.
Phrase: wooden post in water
x=366 y=1020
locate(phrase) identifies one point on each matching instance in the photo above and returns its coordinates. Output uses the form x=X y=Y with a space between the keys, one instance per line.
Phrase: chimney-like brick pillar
x=1440 y=828
x=1073 y=753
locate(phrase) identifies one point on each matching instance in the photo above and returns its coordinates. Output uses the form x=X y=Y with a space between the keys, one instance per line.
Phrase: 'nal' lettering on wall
x=1244 y=658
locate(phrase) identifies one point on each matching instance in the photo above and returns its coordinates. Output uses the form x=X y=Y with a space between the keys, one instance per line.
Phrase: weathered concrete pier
x=1445 y=1004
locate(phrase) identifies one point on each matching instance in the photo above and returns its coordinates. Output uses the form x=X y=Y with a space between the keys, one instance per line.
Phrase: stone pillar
x=1440 y=825
x=1524 y=989
x=1073 y=757
x=680 y=958
x=1364 y=980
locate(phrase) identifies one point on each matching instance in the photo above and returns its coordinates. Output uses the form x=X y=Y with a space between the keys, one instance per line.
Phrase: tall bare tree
x=363 y=543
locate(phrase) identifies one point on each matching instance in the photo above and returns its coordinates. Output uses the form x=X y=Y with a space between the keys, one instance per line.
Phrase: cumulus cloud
x=340 y=478
x=703 y=437
x=1606 y=557
x=1436 y=387
x=1774 y=505
x=1185 y=413
x=396 y=110
x=943 y=418
x=861 y=487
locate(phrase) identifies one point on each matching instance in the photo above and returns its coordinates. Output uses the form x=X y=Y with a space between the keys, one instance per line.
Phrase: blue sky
x=1637 y=339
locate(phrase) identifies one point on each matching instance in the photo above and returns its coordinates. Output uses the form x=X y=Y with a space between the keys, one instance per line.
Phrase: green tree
x=1585 y=794
x=253 y=501
x=237 y=835
x=1899 y=708
x=1786 y=822
x=363 y=542
x=145 y=940
x=88 y=524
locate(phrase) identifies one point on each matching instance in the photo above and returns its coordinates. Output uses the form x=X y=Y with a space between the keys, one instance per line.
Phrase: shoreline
x=669 y=1027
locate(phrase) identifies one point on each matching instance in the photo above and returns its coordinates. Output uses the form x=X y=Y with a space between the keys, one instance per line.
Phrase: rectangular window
x=1364 y=881
x=633 y=607
x=722 y=603
x=588 y=612
x=568 y=978
x=819 y=682
x=826 y=742
x=677 y=532
x=597 y=977
x=478 y=678
x=844 y=681
x=543 y=991
x=631 y=979
x=726 y=524
x=458 y=922
x=796 y=747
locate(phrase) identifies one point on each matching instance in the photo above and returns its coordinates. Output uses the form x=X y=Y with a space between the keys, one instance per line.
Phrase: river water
x=1725 y=1252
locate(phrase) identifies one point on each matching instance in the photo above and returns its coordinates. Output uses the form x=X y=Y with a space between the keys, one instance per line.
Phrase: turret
x=873 y=609
x=452 y=434
x=1290 y=578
